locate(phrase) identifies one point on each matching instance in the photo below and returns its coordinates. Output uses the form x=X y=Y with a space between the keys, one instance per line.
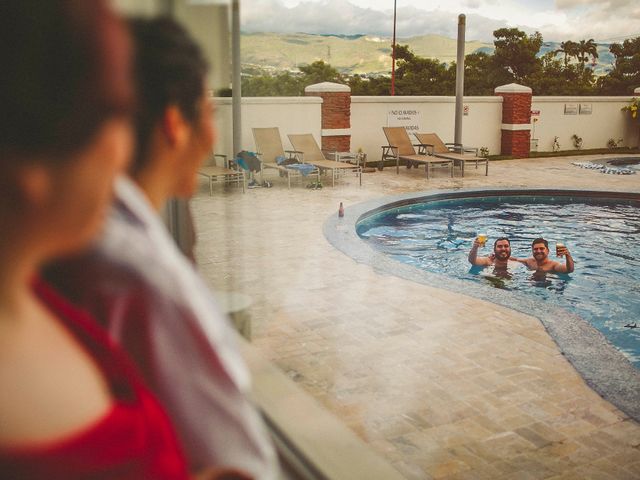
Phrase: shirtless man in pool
x=499 y=258
x=541 y=262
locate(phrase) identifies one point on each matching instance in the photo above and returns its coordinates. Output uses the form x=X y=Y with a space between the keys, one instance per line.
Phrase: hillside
x=362 y=53
x=349 y=54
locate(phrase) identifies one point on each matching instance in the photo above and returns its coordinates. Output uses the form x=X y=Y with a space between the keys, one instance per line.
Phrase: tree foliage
x=565 y=71
x=557 y=78
x=286 y=84
x=377 y=86
x=422 y=76
x=281 y=85
x=516 y=52
x=625 y=75
x=318 y=72
x=586 y=49
x=482 y=75
x=569 y=49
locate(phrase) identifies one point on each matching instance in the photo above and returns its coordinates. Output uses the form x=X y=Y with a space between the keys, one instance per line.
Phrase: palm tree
x=592 y=49
x=585 y=49
x=569 y=49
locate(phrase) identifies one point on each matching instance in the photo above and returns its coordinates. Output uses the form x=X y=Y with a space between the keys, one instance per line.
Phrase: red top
x=134 y=440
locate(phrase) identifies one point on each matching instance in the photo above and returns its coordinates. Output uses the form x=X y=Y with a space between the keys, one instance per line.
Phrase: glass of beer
x=482 y=239
x=559 y=246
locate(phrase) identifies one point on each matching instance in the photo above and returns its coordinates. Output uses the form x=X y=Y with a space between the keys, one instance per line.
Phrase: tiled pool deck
x=440 y=384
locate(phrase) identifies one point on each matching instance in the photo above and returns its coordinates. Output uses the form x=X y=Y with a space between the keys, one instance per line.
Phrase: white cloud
x=342 y=17
x=562 y=20
x=609 y=20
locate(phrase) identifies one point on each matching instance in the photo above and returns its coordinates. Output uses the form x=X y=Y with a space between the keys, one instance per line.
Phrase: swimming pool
x=602 y=235
x=604 y=367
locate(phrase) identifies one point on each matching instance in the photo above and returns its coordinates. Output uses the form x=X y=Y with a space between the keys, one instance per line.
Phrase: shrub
x=612 y=143
x=632 y=108
x=577 y=141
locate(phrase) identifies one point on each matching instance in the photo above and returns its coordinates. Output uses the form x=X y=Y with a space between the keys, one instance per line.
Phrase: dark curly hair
x=500 y=239
x=65 y=71
x=170 y=69
x=540 y=240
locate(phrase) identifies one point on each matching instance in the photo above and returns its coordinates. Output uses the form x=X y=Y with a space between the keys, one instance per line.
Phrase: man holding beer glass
x=541 y=261
x=500 y=256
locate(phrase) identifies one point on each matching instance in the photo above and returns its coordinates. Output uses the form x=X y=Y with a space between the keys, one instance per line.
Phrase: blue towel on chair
x=248 y=161
x=304 y=168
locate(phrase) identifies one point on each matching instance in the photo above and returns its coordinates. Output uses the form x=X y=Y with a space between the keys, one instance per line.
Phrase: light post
x=393 y=53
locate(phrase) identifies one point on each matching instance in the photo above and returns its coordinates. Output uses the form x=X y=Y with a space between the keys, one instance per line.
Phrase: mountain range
x=362 y=54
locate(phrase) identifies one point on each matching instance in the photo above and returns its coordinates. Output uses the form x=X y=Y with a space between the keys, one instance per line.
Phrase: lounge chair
x=455 y=151
x=307 y=148
x=214 y=172
x=273 y=155
x=401 y=148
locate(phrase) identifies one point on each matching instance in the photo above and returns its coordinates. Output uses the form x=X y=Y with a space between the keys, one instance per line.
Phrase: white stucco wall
x=289 y=114
x=606 y=121
x=480 y=128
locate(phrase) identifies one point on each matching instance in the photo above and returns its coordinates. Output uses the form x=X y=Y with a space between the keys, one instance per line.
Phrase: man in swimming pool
x=499 y=258
x=541 y=261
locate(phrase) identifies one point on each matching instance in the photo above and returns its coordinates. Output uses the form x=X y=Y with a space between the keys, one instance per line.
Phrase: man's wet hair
x=170 y=69
x=540 y=240
x=500 y=239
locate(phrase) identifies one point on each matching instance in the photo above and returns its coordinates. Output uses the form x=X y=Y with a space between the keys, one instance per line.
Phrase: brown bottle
x=341 y=210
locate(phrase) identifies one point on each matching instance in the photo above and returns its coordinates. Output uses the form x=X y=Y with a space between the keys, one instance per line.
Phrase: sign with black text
x=408 y=118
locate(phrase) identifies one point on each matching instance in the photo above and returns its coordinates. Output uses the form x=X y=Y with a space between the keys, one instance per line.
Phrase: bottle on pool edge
x=341 y=210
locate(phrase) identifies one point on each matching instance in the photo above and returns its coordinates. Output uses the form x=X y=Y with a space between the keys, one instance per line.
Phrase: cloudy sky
x=603 y=20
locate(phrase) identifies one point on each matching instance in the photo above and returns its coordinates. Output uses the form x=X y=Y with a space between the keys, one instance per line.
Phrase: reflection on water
x=604 y=240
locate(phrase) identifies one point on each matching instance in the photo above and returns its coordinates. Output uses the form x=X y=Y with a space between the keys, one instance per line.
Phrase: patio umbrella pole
x=457 y=137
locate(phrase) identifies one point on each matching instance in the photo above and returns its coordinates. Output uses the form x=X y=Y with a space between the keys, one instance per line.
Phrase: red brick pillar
x=516 y=120
x=336 y=114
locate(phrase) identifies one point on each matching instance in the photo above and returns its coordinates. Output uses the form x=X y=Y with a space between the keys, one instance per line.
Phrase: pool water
x=630 y=162
x=603 y=238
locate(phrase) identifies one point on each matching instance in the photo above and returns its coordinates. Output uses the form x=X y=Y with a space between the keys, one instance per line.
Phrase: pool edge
x=601 y=365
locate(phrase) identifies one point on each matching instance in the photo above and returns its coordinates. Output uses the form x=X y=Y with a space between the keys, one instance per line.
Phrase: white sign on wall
x=585 y=108
x=407 y=118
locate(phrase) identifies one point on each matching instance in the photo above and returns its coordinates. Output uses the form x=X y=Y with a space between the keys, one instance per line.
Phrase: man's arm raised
x=568 y=262
x=473 y=257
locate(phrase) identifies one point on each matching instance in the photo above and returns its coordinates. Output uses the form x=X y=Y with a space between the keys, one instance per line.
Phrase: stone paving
x=442 y=385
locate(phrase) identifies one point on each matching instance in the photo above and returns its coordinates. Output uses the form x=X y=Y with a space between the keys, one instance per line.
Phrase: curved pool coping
x=603 y=367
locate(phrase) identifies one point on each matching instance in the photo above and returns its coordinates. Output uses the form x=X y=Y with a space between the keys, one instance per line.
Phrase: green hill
x=348 y=54
x=364 y=53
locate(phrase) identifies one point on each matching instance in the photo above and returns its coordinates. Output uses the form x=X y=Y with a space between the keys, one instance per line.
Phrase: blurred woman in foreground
x=70 y=405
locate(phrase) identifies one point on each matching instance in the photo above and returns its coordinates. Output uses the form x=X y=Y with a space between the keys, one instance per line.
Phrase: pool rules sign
x=410 y=119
